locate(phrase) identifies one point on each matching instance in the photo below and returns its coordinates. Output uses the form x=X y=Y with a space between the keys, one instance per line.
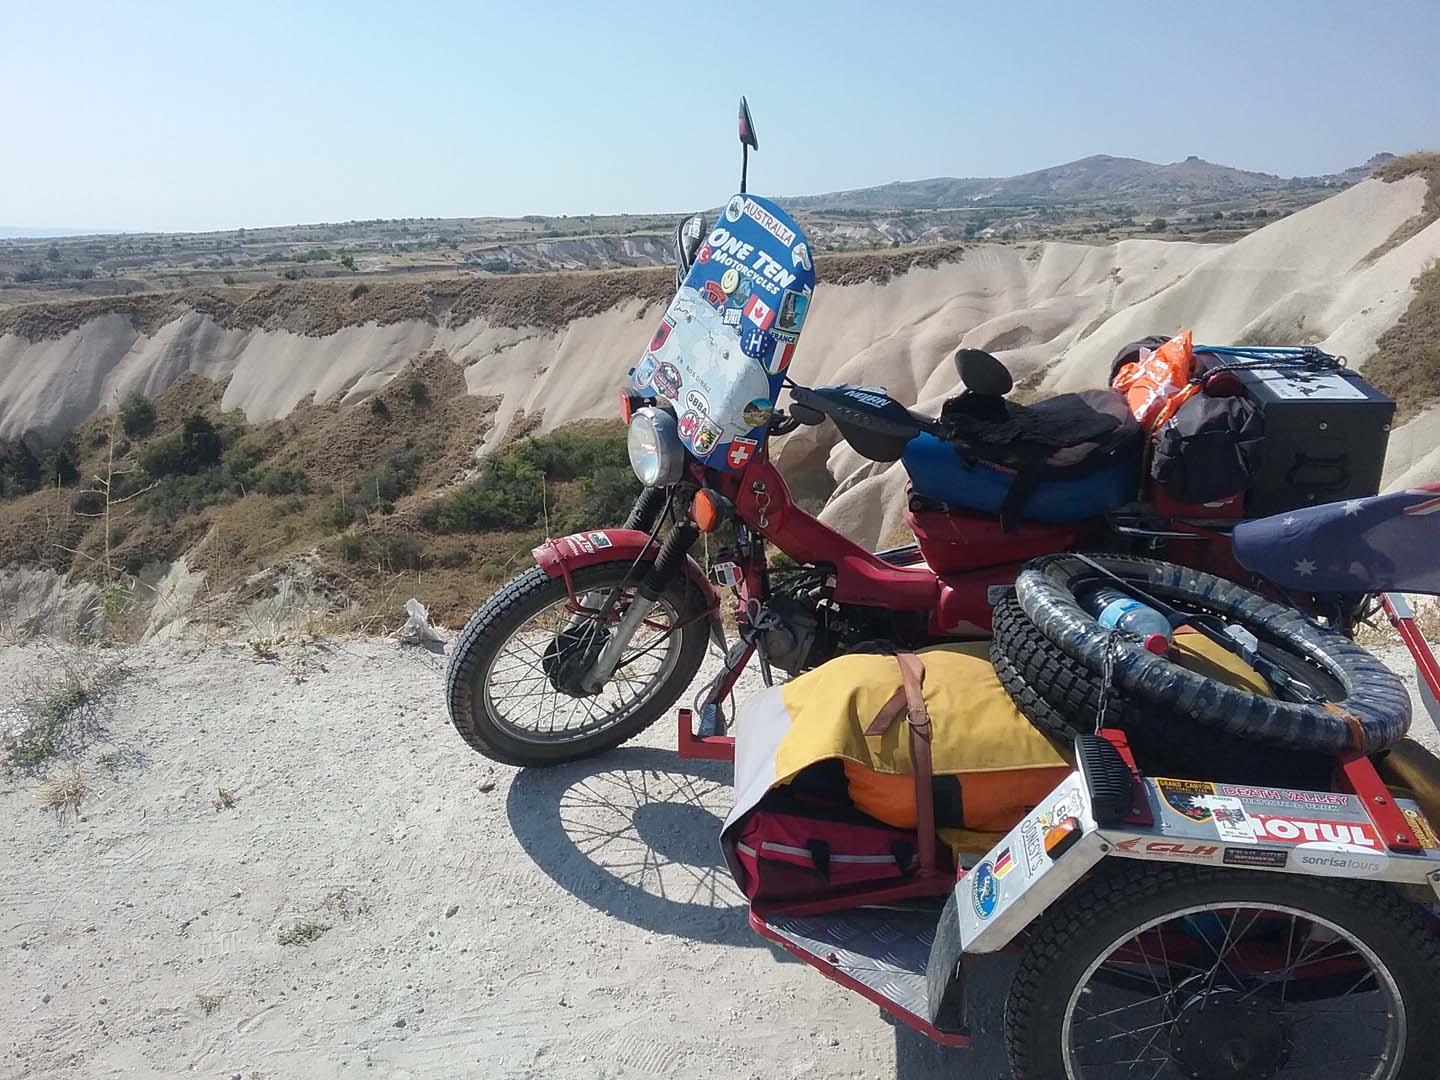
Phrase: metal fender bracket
x=1315 y=833
x=1019 y=878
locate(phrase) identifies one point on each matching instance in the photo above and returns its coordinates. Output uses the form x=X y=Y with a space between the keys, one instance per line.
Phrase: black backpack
x=1209 y=449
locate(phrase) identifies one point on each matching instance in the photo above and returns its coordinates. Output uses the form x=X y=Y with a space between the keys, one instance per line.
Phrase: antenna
x=748 y=141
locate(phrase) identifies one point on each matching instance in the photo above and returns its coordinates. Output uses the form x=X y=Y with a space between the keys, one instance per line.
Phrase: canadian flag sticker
x=759 y=312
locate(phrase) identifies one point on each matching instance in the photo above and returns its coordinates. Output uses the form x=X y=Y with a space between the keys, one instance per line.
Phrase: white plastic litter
x=418 y=627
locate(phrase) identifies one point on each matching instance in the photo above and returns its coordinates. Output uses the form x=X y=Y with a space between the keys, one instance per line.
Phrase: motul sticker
x=1302 y=832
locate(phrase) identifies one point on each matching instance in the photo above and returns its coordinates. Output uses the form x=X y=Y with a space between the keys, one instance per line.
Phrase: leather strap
x=910 y=699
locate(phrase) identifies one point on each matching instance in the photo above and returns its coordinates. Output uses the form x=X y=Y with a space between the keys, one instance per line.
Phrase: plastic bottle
x=1114 y=610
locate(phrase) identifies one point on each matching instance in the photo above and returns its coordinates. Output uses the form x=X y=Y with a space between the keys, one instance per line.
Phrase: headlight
x=656 y=453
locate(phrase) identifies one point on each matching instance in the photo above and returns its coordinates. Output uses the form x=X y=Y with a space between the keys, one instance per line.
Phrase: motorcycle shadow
x=635 y=834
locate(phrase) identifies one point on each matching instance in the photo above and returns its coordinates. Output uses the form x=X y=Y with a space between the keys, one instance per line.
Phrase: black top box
x=1326 y=430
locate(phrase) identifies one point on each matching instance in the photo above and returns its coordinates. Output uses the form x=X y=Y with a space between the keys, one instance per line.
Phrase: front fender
x=561 y=557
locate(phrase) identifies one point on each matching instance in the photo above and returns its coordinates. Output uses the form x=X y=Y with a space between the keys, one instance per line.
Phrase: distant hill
x=1139 y=185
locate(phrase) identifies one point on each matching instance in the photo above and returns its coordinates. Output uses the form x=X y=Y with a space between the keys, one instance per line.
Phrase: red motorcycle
x=597 y=640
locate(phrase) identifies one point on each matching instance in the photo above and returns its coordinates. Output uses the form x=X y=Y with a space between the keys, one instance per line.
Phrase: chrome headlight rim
x=653 y=443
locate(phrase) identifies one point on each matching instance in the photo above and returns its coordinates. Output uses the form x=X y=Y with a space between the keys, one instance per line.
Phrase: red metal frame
x=1397 y=609
x=830 y=971
x=690 y=746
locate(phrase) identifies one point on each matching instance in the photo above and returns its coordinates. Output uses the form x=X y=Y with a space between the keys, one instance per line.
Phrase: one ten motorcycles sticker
x=730 y=333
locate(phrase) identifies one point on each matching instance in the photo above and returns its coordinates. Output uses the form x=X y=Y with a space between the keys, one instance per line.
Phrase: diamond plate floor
x=884 y=949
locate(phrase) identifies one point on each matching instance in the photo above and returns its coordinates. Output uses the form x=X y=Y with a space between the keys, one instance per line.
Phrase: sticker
x=984 y=890
x=697 y=402
x=1033 y=845
x=1230 y=820
x=703 y=255
x=734 y=208
x=1004 y=863
x=1271 y=858
x=752 y=262
x=753 y=342
x=780 y=358
x=714 y=295
x=1420 y=827
x=740 y=452
x=645 y=371
x=583 y=543
x=662 y=334
x=1307 y=833
x=800 y=256
x=794 y=307
x=1190 y=798
x=768 y=221
x=687 y=426
x=742 y=292
x=1167 y=849
x=667 y=379
x=732 y=316
x=600 y=540
x=759 y=313
x=706 y=438
x=757 y=412
x=730 y=280
x=1339 y=860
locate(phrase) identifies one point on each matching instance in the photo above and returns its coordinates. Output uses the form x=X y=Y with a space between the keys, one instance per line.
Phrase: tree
x=137 y=414
x=1159 y=225
x=348 y=262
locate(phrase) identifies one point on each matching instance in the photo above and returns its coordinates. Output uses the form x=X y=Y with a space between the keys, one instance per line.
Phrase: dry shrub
x=64 y=790
x=61 y=705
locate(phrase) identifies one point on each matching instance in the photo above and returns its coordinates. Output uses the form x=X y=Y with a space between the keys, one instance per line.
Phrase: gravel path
x=464 y=919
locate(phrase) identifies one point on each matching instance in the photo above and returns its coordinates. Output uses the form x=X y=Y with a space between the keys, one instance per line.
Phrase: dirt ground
x=446 y=917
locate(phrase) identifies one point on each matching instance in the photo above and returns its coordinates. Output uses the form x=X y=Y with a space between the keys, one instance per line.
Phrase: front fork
x=667 y=566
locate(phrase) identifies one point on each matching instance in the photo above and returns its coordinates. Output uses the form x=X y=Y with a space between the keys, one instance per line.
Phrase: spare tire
x=1371 y=711
x=1061 y=697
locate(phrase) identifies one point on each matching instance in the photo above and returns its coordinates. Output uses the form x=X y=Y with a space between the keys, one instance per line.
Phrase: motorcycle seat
x=1067 y=458
x=1383 y=543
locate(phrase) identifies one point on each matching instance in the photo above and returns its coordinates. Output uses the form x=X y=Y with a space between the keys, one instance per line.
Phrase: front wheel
x=1180 y=972
x=505 y=687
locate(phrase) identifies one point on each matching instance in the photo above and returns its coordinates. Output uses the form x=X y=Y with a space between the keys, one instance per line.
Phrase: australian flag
x=1384 y=543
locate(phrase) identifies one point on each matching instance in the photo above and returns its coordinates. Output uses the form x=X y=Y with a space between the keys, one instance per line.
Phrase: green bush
x=511 y=490
x=137 y=415
x=374 y=491
x=194 y=449
x=58 y=468
x=19 y=470
x=174 y=496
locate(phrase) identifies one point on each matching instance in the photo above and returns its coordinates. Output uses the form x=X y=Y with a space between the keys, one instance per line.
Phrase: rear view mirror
x=688 y=236
x=980 y=373
x=747 y=127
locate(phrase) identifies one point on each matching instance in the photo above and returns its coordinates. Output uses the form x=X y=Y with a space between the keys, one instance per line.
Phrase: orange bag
x=1150 y=383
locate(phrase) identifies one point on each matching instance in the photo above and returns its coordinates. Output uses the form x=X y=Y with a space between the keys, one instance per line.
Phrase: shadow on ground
x=635 y=834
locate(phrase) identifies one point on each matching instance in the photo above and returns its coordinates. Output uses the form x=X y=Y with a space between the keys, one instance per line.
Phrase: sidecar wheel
x=1182 y=971
x=505 y=698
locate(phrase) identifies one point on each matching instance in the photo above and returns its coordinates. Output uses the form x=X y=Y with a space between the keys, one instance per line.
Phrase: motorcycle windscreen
x=721 y=350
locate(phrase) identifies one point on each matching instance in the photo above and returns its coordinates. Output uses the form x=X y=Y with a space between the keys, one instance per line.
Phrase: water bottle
x=1114 y=610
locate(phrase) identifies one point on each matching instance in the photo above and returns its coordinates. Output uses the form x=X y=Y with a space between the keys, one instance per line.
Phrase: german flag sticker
x=1004 y=864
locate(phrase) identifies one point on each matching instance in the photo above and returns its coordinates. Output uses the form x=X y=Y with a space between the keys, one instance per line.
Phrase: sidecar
x=1169 y=926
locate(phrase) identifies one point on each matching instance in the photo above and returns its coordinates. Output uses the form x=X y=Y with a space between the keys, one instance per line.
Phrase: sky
x=157 y=116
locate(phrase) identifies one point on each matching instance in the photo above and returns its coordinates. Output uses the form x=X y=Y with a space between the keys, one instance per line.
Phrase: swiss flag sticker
x=760 y=313
x=741 y=450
